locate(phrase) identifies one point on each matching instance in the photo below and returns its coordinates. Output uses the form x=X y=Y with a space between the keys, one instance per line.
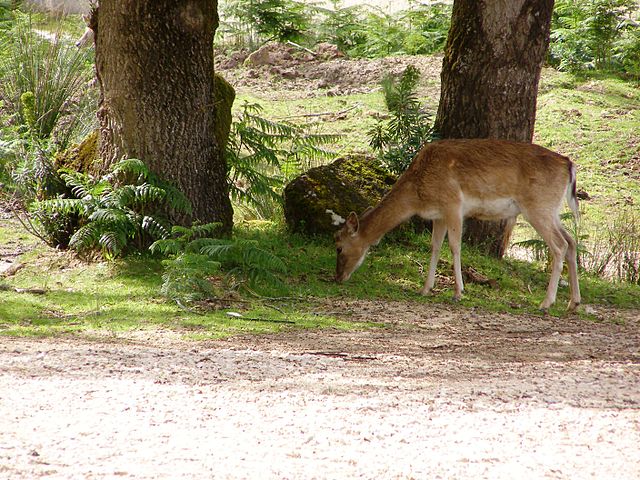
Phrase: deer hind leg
x=551 y=231
x=572 y=266
x=439 y=230
x=454 y=234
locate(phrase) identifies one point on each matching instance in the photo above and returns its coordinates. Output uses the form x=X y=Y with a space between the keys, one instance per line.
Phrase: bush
x=589 y=34
x=121 y=212
x=409 y=127
x=255 y=22
x=615 y=249
x=263 y=155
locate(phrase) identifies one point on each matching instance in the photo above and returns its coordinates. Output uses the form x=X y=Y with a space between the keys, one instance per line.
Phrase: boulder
x=318 y=201
x=224 y=95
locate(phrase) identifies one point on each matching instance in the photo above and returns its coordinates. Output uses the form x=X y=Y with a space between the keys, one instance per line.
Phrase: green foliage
x=341 y=26
x=120 y=212
x=262 y=155
x=195 y=257
x=398 y=141
x=356 y=30
x=373 y=33
x=260 y=21
x=594 y=34
x=44 y=83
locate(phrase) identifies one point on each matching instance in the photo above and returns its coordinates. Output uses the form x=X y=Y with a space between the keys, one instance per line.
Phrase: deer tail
x=572 y=195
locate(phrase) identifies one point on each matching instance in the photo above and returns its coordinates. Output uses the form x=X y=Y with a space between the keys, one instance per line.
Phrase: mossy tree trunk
x=154 y=62
x=490 y=74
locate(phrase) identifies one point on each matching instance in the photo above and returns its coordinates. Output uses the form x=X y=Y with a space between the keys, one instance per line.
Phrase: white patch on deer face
x=335 y=218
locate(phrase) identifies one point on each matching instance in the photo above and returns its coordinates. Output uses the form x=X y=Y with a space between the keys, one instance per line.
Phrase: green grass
x=124 y=295
x=595 y=120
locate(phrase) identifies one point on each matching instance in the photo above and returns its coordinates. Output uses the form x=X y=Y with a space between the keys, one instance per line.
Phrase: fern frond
x=59 y=205
x=166 y=246
x=113 y=242
x=85 y=238
x=132 y=168
x=154 y=227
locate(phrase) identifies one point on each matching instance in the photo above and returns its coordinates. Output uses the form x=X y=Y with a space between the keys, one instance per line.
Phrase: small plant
x=120 y=212
x=195 y=257
x=615 y=249
x=398 y=141
x=44 y=84
x=262 y=155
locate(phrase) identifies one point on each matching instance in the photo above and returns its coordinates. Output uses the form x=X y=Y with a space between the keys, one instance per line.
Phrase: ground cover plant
x=593 y=117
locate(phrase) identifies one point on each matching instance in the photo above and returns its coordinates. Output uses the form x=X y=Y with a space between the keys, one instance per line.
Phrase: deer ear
x=352 y=223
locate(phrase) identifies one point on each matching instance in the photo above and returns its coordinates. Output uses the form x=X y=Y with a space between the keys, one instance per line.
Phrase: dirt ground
x=441 y=392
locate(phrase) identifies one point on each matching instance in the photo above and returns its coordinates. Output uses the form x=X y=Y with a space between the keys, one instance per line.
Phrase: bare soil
x=441 y=392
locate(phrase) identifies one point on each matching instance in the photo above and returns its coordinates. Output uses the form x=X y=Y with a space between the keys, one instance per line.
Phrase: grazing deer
x=91 y=21
x=485 y=179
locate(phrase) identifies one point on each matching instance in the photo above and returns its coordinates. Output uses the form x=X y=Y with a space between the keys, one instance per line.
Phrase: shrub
x=588 y=34
x=398 y=141
x=615 y=249
x=259 y=21
x=121 y=212
x=262 y=155
x=195 y=257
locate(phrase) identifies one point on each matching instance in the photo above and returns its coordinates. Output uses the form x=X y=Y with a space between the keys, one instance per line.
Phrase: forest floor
x=439 y=392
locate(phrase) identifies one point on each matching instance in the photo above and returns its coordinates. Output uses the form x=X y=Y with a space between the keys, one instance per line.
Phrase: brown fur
x=486 y=179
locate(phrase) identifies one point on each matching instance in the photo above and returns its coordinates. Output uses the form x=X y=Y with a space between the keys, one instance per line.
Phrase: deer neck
x=390 y=212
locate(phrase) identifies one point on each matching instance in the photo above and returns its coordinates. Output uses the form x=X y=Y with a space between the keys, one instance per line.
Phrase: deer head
x=350 y=247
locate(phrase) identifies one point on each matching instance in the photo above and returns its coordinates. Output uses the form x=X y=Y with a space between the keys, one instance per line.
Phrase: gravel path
x=441 y=393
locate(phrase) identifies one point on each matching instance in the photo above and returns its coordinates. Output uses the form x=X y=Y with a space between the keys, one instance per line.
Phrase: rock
x=272 y=53
x=328 y=51
x=318 y=201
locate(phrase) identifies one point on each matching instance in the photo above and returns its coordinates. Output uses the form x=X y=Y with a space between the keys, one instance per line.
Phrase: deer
x=487 y=179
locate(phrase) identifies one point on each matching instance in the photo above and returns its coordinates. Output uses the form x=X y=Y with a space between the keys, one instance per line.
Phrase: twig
x=293 y=44
x=258 y=319
x=322 y=114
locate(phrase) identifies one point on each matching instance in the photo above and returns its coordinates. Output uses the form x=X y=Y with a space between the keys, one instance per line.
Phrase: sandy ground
x=440 y=393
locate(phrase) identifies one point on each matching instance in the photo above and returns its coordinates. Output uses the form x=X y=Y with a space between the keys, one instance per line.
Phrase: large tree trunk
x=154 y=62
x=490 y=74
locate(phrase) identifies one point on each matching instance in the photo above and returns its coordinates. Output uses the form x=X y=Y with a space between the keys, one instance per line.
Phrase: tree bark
x=490 y=74
x=154 y=63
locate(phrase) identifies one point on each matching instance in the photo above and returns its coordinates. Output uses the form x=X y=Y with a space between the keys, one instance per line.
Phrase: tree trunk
x=490 y=73
x=154 y=63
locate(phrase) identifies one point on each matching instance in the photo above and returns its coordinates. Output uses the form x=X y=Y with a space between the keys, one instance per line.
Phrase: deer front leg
x=439 y=230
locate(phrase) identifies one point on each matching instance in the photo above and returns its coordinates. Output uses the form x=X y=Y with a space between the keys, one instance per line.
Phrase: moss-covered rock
x=318 y=201
x=224 y=95
x=81 y=157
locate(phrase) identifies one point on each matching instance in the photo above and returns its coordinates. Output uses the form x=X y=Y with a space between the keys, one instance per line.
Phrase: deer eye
x=339 y=250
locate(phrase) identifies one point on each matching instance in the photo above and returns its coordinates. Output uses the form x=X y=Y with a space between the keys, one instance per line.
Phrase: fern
x=120 y=212
x=194 y=255
x=262 y=155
